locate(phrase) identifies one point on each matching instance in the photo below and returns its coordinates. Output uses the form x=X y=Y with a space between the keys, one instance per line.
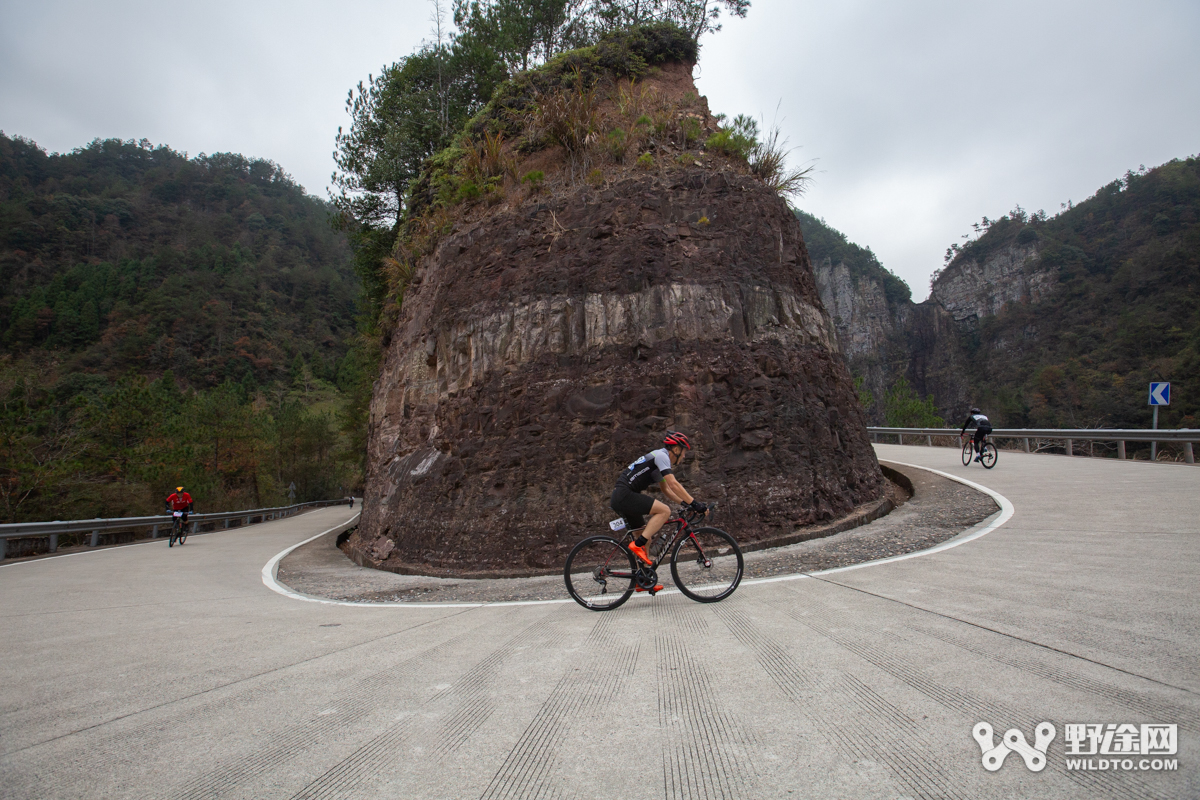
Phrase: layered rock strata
x=544 y=346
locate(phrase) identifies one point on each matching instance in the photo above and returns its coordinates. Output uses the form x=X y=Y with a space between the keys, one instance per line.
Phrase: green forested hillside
x=137 y=257
x=824 y=242
x=1125 y=310
x=168 y=319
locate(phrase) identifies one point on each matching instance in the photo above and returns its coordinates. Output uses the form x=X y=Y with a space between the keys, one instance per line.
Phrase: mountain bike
x=706 y=563
x=178 y=529
x=988 y=451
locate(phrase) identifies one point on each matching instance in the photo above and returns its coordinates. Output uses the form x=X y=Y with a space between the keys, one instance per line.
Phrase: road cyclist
x=179 y=504
x=656 y=467
x=603 y=571
x=983 y=450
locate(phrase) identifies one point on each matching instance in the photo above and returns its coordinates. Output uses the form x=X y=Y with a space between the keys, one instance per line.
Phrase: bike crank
x=646 y=577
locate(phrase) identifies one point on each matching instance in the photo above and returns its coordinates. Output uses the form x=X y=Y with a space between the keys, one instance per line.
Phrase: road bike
x=706 y=563
x=178 y=529
x=988 y=451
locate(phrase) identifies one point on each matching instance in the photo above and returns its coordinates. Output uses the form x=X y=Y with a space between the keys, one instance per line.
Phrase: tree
x=902 y=408
x=523 y=33
x=696 y=17
x=398 y=120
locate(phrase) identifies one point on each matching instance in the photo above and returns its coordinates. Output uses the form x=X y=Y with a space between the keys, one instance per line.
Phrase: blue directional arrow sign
x=1160 y=394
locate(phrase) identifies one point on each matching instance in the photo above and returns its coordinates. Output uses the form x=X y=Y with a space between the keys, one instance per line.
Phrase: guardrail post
x=899 y=438
x=54 y=543
x=227 y=523
x=95 y=538
x=3 y=548
x=195 y=525
x=1026 y=443
x=1070 y=447
x=1187 y=453
x=1121 y=450
x=154 y=532
x=928 y=442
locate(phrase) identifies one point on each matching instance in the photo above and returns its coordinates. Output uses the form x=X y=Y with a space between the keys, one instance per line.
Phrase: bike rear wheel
x=599 y=573
x=707 y=565
x=968 y=452
x=990 y=454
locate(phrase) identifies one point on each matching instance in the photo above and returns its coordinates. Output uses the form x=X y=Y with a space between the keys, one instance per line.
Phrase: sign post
x=1160 y=395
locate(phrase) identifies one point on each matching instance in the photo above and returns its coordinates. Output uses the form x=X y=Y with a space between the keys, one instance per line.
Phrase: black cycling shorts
x=632 y=506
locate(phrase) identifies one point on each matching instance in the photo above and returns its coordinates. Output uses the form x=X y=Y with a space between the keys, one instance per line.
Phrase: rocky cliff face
x=971 y=289
x=870 y=331
x=883 y=341
x=546 y=344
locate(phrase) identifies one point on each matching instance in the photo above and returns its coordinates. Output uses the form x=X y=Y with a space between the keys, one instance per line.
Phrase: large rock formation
x=972 y=288
x=550 y=340
x=883 y=342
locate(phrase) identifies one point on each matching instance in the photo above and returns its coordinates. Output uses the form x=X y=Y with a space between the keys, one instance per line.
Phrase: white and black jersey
x=977 y=421
x=649 y=469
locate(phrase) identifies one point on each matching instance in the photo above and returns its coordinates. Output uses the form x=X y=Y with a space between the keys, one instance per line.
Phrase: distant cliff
x=1044 y=321
x=882 y=334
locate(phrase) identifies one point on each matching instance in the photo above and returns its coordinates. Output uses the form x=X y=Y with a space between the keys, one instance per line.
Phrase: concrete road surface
x=144 y=671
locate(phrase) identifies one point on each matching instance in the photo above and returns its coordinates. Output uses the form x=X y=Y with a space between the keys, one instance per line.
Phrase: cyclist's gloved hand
x=698 y=507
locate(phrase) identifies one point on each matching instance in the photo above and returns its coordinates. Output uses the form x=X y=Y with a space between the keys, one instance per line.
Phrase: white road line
x=1006 y=512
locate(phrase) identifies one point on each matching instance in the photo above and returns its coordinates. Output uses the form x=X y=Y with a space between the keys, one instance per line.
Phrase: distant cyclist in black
x=982 y=428
x=656 y=466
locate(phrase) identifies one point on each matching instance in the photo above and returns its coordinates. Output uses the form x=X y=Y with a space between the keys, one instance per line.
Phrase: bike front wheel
x=707 y=565
x=990 y=454
x=600 y=573
x=174 y=533
x=968 y=452
x=182 y=533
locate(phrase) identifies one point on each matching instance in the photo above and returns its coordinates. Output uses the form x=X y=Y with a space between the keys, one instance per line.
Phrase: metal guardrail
x=31 y=530
x=1069 y=435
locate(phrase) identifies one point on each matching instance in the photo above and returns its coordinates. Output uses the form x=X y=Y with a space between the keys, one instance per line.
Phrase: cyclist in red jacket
x=179 y=500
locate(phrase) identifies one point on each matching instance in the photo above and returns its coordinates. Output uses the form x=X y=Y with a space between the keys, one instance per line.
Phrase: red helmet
x=675 y=437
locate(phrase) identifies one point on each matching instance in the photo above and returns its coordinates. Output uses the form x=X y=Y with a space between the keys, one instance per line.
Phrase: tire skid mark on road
x=1152 y=707
x=688 y=617
x=1129 y=644
x=975 y=708
x=365 y=765
x=592 y=686
x=878 y=705
x=358 y=701
x=1135 y=647
x=706 y=751
x=847 y=632
x=910 y=765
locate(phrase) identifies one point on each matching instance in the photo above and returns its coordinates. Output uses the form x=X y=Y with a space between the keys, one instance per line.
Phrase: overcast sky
x=920 y=117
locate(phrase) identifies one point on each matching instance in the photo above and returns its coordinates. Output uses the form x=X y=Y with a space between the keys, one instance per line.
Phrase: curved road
x=144 y=671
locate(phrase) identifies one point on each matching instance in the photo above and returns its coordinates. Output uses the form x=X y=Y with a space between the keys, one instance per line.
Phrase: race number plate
x=617 y=524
